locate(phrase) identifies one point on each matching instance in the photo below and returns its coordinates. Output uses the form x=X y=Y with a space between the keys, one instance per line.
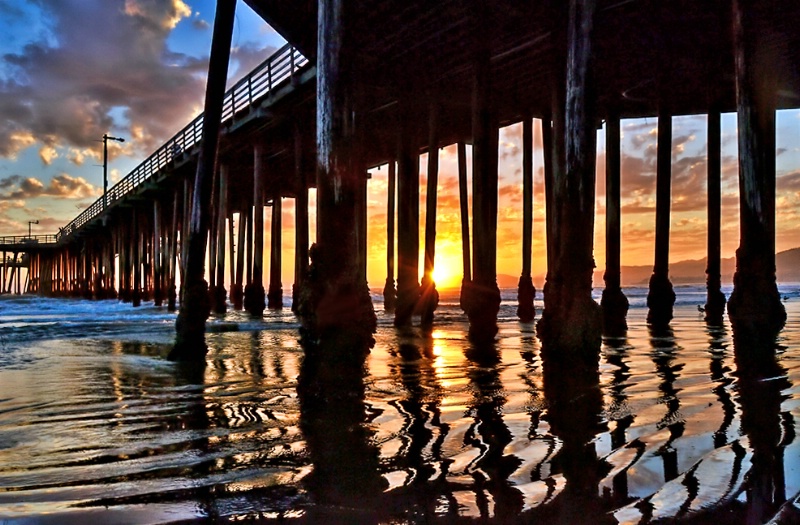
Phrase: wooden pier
x=370 y=82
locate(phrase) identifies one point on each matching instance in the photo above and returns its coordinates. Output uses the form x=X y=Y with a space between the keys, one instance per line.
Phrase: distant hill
x=694 y=271
x=682 y=272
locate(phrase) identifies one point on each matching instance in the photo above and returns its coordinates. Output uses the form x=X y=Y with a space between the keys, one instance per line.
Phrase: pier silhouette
x=363 y=84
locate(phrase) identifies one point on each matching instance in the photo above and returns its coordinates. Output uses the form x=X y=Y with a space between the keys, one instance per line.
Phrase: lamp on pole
x=29 y=227
x=106 y=138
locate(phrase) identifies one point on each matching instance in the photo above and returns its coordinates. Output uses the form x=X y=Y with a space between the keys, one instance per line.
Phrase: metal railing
x=277 y=70
x=27 y=239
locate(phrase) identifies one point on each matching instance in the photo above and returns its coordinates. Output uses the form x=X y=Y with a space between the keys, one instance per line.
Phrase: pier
x=369 y=83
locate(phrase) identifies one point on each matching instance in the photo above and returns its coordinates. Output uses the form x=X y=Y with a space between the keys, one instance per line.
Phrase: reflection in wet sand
x=686 y=423
x=761 y=382
x=336 y=424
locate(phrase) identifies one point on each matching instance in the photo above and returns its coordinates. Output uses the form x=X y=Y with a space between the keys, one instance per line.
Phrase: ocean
x=97 y=427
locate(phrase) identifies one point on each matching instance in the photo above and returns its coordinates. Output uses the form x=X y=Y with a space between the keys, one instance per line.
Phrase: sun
x=447 y=273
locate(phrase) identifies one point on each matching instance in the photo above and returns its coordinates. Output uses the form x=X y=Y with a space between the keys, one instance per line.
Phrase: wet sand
x=429 y=428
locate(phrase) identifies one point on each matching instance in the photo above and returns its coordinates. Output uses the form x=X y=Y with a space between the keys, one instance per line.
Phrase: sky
x=72 y=70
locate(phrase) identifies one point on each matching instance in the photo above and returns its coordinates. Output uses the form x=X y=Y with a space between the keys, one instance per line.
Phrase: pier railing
x=27 y=240
x=277 y=70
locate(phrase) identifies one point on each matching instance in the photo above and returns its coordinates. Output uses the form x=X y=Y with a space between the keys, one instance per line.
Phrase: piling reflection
x=490 y=435
x=620 y=416
x=761 y=384
x=335 y=422
x=721 y=379
x=420 y=457
x=574 y=411
x=663 y=355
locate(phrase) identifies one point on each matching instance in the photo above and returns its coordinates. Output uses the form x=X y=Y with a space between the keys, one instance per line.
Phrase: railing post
x=292 y=67
x=269 y=79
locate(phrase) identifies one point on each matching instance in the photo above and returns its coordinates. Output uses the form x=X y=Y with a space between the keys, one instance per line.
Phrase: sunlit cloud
x=63 y=186
x=67 y=91
x=48 y=154
x=15 y=142
x=162 y=14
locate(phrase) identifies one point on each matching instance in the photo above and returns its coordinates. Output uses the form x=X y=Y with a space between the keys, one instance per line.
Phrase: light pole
x=106 y=138
x=29 y=227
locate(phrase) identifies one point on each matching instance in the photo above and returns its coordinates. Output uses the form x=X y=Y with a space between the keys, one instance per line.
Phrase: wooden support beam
x=231 y=249
x=571 y=327
x=212 y=237
x=136 y=262
x=301 y=219
x=614 y=303
x=190 y=341
x=661 y=296
x=157 y=264
x=429 y=297
x=755 y=306
x=526 y=291
x=254 y=296
x=275 y=294
x=389 y=291
x=122 y=248
x=172 y=295
x=466 y=246
x=407 y=222
x=218 y=292
x=251 y=217
x=338 y=303
x=483 y=298
x=715 y=299
x=361 y=230
x=237 y=289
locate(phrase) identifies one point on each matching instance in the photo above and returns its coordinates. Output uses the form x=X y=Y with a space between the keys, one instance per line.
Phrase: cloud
x=15 y=141
x=64 y=186
x=200 y=24
x=60 y=90
x=157 y=13
x=789 y=182
x=48 y=154
x=245 y=57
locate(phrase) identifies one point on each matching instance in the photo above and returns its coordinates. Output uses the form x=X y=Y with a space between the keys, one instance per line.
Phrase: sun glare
x=446 y=274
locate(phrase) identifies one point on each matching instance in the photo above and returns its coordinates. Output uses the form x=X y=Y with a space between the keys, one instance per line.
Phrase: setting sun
x=447 y=272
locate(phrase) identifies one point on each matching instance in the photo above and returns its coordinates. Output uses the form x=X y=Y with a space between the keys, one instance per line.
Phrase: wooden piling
x=483 y=301
x=571 y=324
x=275 y=293
x=526 y=291
x=237 y=289
x=301 y=219
x=755 y=305
x=231 y=249
x=407 y=222
x=389 y=291
x=661 y=296
x=466 y=246
x=195 y=308
x=254 y=297
x=429 y=296
x=172 y=294
x=614 y=303
x=136 y=262
x=338 y=302
x=212 y=238
x=250 y=243
x=158 y=297
x=715 y=299
x=219 y=305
